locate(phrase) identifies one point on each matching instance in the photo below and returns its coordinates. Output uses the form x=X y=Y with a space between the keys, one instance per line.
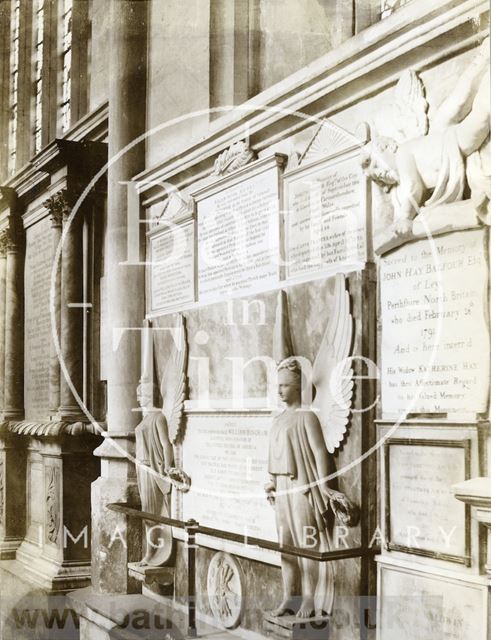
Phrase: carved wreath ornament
x=225 y=590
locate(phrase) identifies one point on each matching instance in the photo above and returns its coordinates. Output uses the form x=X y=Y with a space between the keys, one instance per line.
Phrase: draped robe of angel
x=300 y=447
x=154 y=454
x=297 y=460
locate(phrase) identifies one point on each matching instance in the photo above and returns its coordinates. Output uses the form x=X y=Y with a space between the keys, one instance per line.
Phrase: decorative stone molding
x=328 y=139
x=477 y=494
x=52 y=504
x=51 y=429
x=178 y=207
x=236 y=156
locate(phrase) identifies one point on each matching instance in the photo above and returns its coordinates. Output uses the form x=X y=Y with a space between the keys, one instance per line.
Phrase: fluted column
x=13 y=408
x=125 y=298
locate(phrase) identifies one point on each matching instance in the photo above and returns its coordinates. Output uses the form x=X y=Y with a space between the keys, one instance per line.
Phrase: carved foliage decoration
x=225 y=589
x=58 y=206
x=236 y=156
x=4 y=243
x=53 y=506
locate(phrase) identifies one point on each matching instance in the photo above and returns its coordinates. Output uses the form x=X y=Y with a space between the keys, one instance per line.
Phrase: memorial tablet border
x=391 y=546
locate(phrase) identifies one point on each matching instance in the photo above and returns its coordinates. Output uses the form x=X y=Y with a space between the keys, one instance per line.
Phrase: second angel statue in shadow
x=302 y=438
x=155 y=435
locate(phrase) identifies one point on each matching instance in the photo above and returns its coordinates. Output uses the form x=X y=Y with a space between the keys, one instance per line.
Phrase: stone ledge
x=294 y=628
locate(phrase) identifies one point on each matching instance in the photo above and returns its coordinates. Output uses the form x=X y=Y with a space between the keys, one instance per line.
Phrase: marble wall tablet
x=226 y=455
x=435 y=338
x=172 y=271
x=429 y=607
x=39 y=241
x=238 y=232
x=422 y=515
x=326 y=216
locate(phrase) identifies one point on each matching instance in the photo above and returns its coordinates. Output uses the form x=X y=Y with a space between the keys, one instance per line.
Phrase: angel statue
x=423 y=165
x=155 y=435
x=301 y=438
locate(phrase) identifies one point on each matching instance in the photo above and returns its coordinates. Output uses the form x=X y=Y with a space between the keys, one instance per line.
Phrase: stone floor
x=29 y=613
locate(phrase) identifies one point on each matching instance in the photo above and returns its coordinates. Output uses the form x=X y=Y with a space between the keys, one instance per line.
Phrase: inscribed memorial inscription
x=435 y=339
x=38 y=266
x=238 y=237
x=427 y=608
x=422 y=513
x=172 y=267
x=227 y=458
x=325 y=223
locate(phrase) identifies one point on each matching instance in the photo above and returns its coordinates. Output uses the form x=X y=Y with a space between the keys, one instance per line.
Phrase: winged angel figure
x=301 y=439
x=429 y=166
x=155 y=436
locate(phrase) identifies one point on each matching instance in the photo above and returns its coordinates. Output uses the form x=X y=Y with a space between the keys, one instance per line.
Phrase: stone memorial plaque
x=38 y=265
x=422 y=515
x=172 y=273
x=435 y=338
x=226 y=456
x=238 y=232
x=430 y=608
x=325 y=218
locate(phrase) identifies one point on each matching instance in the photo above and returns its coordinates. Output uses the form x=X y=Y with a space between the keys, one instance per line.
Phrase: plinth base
x=291 y=627
x=162 y=577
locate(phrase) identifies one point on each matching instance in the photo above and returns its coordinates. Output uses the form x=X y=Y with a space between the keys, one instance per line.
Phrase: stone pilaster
x=3 y=271
x=56 y=206
x=71 y=317
x=125 y=299
x=13 y=408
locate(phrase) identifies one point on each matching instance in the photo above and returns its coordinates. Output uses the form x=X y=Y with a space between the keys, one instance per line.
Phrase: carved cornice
x=236 y=156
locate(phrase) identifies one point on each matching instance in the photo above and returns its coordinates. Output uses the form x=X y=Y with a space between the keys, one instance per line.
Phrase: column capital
x=59 y=205
x=10 y=237
x=3 y=243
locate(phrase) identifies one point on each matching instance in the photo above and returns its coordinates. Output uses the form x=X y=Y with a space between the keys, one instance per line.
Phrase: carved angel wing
x=282 y=340
x=332 y=374
x=174 y=383
x=406 y=117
